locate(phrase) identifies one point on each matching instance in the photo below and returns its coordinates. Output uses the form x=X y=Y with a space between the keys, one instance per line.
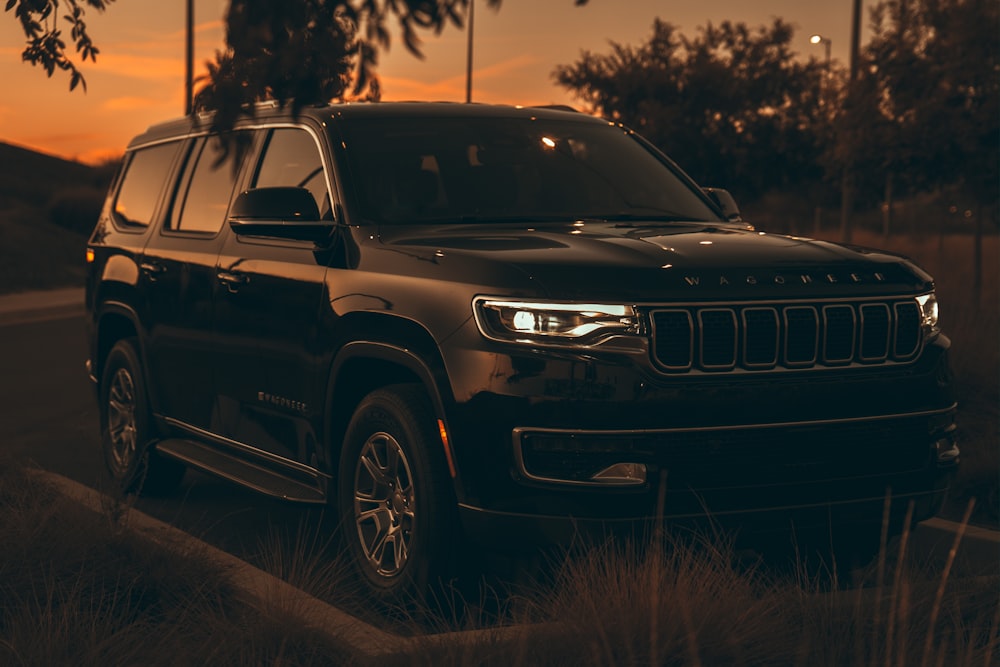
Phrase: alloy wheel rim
x=384 y=504
x=121 y=420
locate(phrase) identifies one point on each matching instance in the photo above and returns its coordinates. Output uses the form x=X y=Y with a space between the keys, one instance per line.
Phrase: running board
x=304 y=487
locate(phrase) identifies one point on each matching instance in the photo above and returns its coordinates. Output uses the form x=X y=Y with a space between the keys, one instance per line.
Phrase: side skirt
x=245 y=465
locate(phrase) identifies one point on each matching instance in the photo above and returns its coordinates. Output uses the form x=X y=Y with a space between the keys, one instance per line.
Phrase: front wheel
x=126 y=429
x=396 y=500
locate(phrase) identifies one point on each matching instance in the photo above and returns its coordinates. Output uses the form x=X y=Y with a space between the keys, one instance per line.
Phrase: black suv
x=498 y=324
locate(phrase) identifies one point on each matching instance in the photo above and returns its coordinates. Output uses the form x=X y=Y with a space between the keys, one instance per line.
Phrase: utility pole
x=468 y=59
x=189 y=60
x=855 y=38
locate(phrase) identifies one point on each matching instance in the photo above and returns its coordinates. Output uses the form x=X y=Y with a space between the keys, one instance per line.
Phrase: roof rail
x=556 y=107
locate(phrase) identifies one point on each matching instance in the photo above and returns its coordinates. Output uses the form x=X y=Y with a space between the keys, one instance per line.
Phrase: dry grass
x=77 y=588
x=685 y=603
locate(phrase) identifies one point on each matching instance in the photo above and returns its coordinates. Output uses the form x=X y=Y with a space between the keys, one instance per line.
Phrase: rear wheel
x=126 y=427
x=396 y=499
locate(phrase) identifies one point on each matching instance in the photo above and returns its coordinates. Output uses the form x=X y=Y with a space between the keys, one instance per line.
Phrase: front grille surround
x=780 y=336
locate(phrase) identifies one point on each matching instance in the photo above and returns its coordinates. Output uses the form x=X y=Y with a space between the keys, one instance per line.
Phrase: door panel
x=267 y=307
x=179 y=274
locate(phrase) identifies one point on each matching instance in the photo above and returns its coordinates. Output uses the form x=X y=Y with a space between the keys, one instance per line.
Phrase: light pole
x=825 y=41
x=824 y=103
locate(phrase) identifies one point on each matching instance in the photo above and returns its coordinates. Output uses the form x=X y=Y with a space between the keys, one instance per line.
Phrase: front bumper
x=750 y=452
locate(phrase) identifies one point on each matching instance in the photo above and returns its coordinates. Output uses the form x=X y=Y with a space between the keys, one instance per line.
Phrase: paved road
x=48 y=415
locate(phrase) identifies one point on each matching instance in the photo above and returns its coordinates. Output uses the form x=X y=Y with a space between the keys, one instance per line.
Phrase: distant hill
x=32 y=179
x=47 y=208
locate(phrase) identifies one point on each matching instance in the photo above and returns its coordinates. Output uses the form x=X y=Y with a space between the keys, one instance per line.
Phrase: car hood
x=657 y=261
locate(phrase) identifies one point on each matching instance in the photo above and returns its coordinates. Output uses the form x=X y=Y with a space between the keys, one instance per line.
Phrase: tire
x=126 y=427
x=396 y=499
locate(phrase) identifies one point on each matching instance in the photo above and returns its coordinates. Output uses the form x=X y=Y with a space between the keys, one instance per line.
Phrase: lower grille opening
x=736 y=457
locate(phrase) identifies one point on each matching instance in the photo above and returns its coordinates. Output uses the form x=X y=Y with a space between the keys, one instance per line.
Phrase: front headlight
x=552 y=322
x=928 y=312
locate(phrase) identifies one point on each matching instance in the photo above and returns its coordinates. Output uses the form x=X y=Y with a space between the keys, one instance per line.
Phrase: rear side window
x=142 y=183
x=205 y=190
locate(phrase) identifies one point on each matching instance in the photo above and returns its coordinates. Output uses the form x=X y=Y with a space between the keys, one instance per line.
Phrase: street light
x=820 y=39
x=825 y=41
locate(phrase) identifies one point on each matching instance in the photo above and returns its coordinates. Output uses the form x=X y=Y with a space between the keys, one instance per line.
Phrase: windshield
x=422 y=170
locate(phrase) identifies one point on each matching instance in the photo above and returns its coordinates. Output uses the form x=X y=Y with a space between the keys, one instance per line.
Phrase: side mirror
x=725 y=202
x=281 y=213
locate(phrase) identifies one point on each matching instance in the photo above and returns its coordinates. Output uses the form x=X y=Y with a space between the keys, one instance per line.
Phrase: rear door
x=267 y=306
x=179 y=274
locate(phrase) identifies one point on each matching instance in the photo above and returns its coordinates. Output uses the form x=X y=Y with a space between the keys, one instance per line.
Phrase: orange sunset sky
x=138 y=77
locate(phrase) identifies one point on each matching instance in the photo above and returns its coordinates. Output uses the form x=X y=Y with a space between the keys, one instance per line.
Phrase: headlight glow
x=928 y=312
x=554 y=322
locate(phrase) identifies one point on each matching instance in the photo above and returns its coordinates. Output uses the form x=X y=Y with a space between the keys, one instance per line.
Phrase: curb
x=978 y=553
x=41 y=305
x=263 y=591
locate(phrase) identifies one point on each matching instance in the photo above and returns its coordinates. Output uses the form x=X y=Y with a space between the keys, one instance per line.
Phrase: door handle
x=152 y=270
x=232 y=279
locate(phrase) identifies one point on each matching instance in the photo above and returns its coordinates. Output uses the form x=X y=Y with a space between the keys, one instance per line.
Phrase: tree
x=733 y=104
x=298 y=51
x=46 y=46
x=932 y=76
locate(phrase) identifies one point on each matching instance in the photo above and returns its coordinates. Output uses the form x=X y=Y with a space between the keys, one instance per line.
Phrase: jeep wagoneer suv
x=502 y=325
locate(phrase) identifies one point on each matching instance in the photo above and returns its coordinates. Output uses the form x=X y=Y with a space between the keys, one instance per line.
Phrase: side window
x=142 y=183
x=205 y=190
x=292 y=158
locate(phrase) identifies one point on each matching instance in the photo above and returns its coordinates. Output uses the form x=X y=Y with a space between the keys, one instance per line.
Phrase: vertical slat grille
x=907 y=330
x=760 y=344
x=839 y=330
x=673 y=342
x=874 y=332
x=801 y=336
x=717 y=338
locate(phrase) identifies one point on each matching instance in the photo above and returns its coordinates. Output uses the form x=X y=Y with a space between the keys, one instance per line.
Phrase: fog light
x=622 y=473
